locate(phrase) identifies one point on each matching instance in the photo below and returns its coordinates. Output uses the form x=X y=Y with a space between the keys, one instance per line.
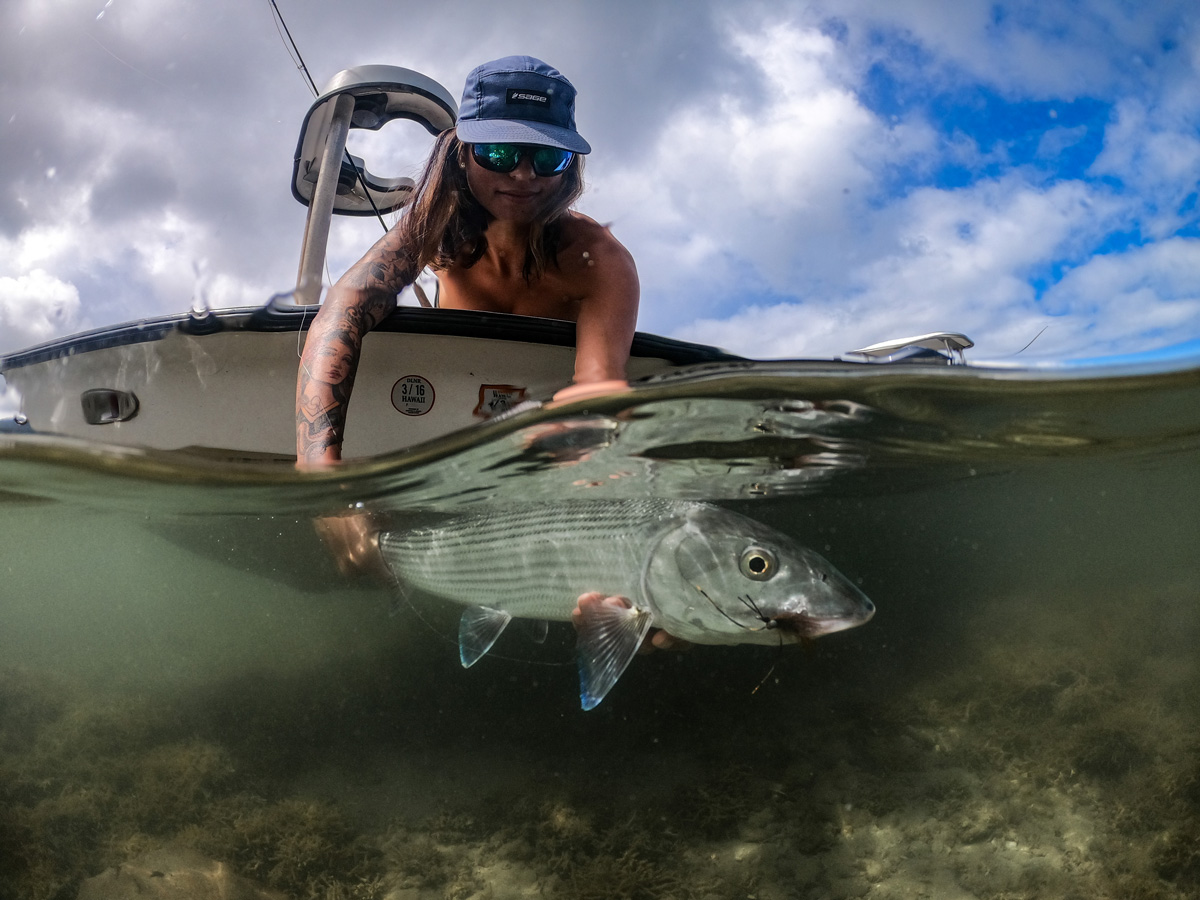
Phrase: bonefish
x=702 y=573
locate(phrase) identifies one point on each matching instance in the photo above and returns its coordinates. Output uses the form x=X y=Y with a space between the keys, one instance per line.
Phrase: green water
x=181 y=664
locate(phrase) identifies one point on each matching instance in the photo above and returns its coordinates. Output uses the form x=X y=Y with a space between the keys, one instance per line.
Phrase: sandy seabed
x=1037 y=750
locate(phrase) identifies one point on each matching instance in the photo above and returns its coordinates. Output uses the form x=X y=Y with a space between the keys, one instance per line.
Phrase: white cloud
x=789 y=200
x=1053 y=142
x=981 y=243
x=1143 y=298
x=1155 y=152
x=960 y=261
x=777 y=180
x=43 y=245
x=1039 y=50
x=35 y=307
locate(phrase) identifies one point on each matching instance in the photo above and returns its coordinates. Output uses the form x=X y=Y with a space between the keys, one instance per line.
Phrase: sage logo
x=522 y=95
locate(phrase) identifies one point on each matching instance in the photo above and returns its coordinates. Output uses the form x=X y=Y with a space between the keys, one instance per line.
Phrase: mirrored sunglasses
x=546 y=161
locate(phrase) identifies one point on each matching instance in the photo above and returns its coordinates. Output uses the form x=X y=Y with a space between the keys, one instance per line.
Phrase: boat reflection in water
x=185 y=667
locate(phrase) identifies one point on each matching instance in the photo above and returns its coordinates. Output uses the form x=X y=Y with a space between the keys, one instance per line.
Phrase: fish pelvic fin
x=608 y=639
x=477 y=631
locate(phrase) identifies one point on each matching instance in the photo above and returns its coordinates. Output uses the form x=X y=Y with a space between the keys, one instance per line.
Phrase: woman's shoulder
x=583 y=238
x=578 y=227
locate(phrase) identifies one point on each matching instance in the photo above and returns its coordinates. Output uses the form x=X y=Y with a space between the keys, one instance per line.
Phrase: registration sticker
x=412 y=395
x=496 y=398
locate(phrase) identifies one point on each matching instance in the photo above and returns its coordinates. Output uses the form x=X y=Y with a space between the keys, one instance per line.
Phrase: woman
x=492 y=218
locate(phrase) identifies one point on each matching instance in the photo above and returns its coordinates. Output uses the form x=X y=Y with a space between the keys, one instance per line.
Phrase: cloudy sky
x=794 y=179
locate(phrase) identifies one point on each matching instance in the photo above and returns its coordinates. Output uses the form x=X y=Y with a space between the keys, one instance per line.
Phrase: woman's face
x=333 y=363
x=516 y=196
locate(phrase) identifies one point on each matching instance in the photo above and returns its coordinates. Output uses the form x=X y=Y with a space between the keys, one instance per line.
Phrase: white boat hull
x=424 y=374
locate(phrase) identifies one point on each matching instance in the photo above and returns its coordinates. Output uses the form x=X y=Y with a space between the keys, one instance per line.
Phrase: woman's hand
x=353 y=542
x=588 y=389
x=657 y=639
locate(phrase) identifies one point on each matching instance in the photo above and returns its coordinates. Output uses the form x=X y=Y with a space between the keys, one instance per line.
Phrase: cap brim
x=517 y=131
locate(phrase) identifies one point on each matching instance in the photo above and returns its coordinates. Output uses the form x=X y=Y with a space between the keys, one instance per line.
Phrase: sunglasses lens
x=497 y=157
x=549 y=161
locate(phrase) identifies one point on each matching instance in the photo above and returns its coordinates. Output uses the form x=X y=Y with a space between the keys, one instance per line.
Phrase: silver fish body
x=528 y=560
x=702 y=573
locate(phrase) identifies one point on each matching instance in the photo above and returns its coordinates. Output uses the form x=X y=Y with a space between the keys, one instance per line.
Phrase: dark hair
x=445 y=225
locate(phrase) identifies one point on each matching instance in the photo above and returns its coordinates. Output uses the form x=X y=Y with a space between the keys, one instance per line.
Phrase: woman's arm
x=359 y=301
x=608 y=313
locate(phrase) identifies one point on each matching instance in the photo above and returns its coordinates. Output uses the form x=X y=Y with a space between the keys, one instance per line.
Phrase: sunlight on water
x=184 y=667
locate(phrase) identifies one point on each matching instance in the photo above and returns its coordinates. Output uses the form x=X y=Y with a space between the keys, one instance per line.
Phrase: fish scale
x=486 y=558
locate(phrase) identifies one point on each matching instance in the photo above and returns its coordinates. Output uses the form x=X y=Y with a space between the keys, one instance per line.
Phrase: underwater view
x=195 y=702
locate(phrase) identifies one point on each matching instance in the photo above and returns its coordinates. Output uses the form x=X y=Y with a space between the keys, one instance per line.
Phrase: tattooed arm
x=359 y=301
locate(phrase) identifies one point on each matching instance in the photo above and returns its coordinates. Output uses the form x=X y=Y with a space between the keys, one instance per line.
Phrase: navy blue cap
x=519 y=100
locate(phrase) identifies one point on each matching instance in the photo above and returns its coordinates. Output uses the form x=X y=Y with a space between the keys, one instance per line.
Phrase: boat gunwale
x=701 y=359
x=403 y=320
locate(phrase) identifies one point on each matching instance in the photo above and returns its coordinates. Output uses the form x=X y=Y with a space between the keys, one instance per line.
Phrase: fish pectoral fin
x=537 y=629
x=477 y=631
x=608 y=639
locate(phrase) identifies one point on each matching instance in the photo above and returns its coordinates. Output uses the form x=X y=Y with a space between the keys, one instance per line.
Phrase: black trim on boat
x=404 y=320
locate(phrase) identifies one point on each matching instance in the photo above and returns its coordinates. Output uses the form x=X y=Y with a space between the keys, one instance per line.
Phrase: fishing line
x=290 y=46
x=749 y=603
x=774 y=664
x=128 y=65
x=1030 y=344
x=770 y=671
x=294 y=52
x=767 y=623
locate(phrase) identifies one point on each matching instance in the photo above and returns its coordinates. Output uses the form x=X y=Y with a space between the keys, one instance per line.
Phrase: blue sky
x=793 y=179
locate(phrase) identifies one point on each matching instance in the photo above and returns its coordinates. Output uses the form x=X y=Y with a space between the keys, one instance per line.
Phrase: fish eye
x=757 y=563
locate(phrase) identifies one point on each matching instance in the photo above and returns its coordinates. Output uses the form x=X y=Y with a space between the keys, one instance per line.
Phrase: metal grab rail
x=327 y=182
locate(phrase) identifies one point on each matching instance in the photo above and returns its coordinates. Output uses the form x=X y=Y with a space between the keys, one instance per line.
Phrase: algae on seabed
x=1053 y=753
x=88 y=783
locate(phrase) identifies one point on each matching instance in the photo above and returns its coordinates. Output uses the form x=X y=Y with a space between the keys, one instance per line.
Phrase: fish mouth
x=803 y=626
